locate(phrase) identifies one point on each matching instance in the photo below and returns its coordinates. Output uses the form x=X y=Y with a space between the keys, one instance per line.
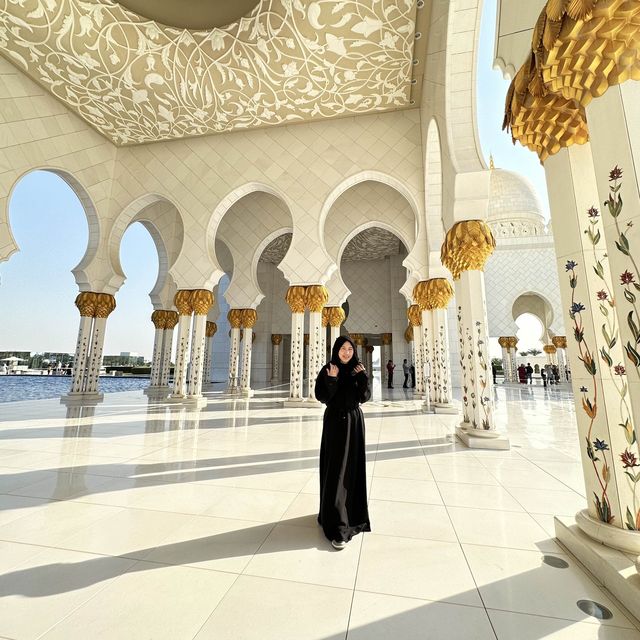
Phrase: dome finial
x=491 y=162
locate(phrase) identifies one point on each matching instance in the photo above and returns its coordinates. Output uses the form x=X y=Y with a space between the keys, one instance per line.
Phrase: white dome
x=514 y=208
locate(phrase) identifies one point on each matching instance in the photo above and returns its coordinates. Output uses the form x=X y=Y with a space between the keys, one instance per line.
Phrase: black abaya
x=343 y=484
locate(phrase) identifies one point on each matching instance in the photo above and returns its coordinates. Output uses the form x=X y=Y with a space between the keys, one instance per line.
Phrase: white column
x=506 y=364
x=276 y=341
x=82 y=353
x=297 y=351
x=245 y=378
x=315 y=350
x=95 y=356
x=334 y=334
x=167 y=347
x=427 y=353
x=442 y=360
x=480 y=379
x=464 y=341
x=418 y=355
x=194 y=389
x=156 y=360
x=182 y=353
x=234 y=356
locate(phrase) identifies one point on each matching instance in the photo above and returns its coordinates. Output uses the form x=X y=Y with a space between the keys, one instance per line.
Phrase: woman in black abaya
x=343 y=386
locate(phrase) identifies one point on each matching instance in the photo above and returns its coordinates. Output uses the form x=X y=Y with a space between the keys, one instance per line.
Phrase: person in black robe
x=343 y=386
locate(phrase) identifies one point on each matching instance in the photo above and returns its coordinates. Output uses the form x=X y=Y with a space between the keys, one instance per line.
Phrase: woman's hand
x=358 y=368
x=332 y=370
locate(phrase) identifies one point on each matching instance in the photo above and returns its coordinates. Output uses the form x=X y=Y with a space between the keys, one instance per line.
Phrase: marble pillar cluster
x=164 y=322
x=599 y=290
x=414 y=315
x=299 y=298
x=248 y=318
x=276 y=357
x=193 y=306
x=335 y=319
x=94 y=309
x=509 y=346
x=432 y=297
x=466 y=248
x=210 y=331
x=234 y=316
x=560 y=343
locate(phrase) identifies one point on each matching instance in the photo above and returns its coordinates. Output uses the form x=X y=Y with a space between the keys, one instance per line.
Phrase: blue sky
x=37 y=288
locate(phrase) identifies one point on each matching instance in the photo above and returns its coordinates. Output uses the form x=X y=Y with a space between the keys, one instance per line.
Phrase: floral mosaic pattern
x=596 y=448
x=138 y=81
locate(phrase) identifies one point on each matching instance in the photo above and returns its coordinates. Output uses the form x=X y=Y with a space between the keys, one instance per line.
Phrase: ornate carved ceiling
x=370 y=244
x=138 y=81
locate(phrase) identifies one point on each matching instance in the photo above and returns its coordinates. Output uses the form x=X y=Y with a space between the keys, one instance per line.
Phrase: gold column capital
x=201 y=301
x=513 y=342
x=249 y=317
x=326 y=313
x=414 y=315
x=336 y=316
x=210 y=329
x=559 y=342
x=296 y=299
x=235 y=318
x=420 y=295
x=439 y=293
x=86 y=302
x=467 y=246
x=358 y=339
x=549 y=349
x=276 y=338
x=504 y=342
x=408 y=334
x=386 y=338
x=182 y=302
x=158 y=318
x=171 y=319
x=316 y=296
x=105 y=304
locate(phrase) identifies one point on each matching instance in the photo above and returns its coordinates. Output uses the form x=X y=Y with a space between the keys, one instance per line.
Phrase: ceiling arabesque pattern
x=138 y=81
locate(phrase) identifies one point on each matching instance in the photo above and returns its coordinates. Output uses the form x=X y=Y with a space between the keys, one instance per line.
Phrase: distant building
x=125 y=359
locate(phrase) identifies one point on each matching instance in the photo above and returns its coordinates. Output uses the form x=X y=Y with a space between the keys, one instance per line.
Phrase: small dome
x=514 y=208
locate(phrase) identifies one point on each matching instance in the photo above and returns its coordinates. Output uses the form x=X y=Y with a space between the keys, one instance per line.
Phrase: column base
x=196 y=402
x=76 y=399
x=622 y=539
x=442 y=407
x=312 y=403
x=294 y=403
x=156 y=391
x=614 y=569
x=247 y=393
x=481 y=439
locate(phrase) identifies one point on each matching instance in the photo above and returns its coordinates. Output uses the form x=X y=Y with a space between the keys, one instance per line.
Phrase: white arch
x=229 y=200
x=433 y=188
x=366 y=176
x=88 y=207
x=261 y=247
x=124 y=220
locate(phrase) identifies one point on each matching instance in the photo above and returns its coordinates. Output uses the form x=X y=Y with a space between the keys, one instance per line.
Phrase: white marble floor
x=143 y=520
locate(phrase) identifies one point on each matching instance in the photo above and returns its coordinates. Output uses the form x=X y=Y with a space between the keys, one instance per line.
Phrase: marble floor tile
x=279 y=610
x=152 y=600
x=405 y=490
x=425 y=569
x=478 y=496
x=507 y=578
x=375 y=616
x=518 y=626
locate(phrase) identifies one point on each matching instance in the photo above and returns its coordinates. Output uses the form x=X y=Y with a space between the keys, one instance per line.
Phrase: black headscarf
x=335 y=358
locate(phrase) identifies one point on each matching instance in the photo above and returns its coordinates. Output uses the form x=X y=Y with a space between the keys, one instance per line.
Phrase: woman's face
x=345 y=353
